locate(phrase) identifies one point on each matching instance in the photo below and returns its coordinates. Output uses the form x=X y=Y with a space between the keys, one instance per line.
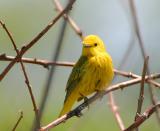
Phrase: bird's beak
x=86 y=45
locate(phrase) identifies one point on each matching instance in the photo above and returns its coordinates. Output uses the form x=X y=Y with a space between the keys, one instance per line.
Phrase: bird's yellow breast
x=98 y=75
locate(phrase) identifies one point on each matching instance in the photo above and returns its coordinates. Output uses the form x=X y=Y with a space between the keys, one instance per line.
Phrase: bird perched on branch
x=93 y=72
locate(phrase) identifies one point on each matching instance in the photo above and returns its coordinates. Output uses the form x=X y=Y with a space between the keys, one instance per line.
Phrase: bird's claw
x=86 y=101
x=78 y=114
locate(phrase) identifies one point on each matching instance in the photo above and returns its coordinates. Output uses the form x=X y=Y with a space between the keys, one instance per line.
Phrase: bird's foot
x=84 y=98
x=86 y=101
x=78 y=114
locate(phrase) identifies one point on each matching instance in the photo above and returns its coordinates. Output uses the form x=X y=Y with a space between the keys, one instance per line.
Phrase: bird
x=92 y=73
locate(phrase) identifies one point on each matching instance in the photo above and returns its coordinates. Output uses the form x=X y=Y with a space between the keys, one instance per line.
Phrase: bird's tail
x=68 y=103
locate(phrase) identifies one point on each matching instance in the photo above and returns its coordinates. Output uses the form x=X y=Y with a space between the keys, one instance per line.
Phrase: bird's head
x=92 y=45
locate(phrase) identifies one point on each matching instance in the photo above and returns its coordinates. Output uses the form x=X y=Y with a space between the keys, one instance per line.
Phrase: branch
x=30 y=44
x=46 y=64
x=141 y=118
x=77 y=110
x=51 y=73
x=141 y=94
x=114 y=109
x=25 y=74
x=132 y=75
x=18 y=121
x=143 y=51
x=69 y=19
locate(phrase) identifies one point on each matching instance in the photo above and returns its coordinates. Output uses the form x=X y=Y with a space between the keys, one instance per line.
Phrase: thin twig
x=137 y=28
x=141 y=94
x=51 y=72
x=141 y=118
x=115 y=111
x=143 y=51
x=69 y=19
x=78 y=109
x=113 y=105
x=132 y=75
x=114 y=108
x=46 y=64
x=18 y=121
x=25 y=75
x=35 y=39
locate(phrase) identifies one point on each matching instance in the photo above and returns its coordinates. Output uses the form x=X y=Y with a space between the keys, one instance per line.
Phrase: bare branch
x=143 y=51
x=35 y=39
x=141 y=94
x=132 y=75
x=115 y=111
x=69 y=19
x=77 y=110
x=51 y=72
x=46 y=64
x=18 y=121
x=25 y=75
x=141 y=118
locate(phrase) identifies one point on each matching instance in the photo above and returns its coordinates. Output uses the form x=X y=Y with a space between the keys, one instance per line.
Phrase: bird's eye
x=95 y=44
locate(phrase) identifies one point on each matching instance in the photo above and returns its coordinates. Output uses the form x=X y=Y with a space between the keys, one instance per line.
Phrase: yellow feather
x=93 y=72
x=68 y=103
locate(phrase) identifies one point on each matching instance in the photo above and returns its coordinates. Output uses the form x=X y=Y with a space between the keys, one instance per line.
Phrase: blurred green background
x=111 y=20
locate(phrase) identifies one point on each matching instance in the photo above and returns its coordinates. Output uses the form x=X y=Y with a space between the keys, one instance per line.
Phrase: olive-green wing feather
x=76 y=75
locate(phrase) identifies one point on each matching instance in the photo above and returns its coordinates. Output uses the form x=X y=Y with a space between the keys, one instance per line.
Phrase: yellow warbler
x=93 y=72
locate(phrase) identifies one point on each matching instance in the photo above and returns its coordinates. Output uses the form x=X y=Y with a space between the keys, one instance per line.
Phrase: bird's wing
x=76 y=75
